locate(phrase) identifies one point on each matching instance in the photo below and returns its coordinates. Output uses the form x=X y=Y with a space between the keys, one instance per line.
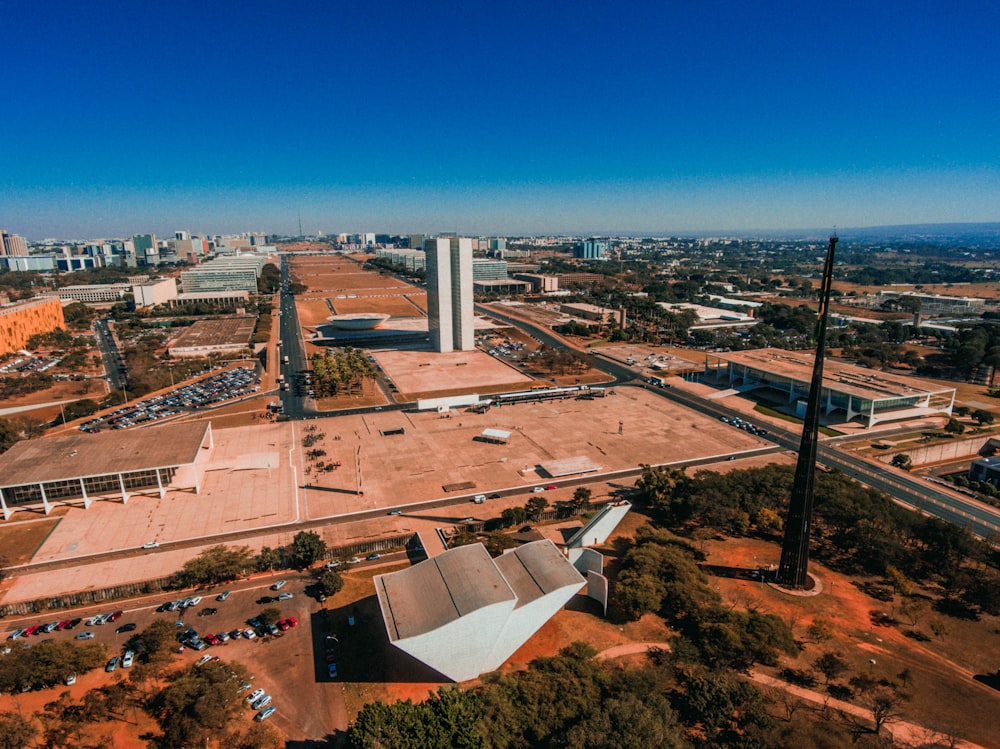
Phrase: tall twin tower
x=450 y=319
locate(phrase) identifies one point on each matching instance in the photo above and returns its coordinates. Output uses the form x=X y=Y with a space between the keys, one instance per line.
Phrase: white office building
x=450 y=320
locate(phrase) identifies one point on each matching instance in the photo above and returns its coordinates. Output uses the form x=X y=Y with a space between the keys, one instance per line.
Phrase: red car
x=115 y=616
x=283 y=624
x=33 y=629
x=64 y=624
x=292 y=621
x=212 y=639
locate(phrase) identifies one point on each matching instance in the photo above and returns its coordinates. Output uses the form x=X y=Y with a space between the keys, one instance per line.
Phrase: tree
x=581 y=498
x=982 y=417
x=330 y=582
x=831 y=665
x=535 y=506
x=196 y=707
x=16 y=731
x=903 y=461
x=884 y=704
x=954 y=426
x=307 y=548
x=513 y=516
x=270 y=615
x=268 y=559
x=157 y=641
x=215 y=565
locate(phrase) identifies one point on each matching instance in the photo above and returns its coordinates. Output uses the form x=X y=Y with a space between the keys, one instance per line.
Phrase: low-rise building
x=21 y=320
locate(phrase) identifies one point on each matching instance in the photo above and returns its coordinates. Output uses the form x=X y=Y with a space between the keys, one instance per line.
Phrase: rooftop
x=840 y=376
x=80 y=455
x=439 y=590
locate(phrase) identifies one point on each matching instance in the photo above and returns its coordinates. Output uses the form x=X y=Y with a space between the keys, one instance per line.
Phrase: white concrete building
x=158 y=292
x=464 y=613
x=450 y=319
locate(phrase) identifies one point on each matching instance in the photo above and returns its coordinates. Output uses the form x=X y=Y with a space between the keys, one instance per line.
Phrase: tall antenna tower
x=300 y=224
x=793 y=569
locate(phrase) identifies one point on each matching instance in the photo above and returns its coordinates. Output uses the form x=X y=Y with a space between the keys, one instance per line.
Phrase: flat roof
x=570 y=466
x=228 y=331
x=844 y=378
x=497 y=434
x=436 y=591
x=81 y=455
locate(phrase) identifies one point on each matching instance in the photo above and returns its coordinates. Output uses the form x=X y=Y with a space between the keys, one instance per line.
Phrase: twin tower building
x=450 y=318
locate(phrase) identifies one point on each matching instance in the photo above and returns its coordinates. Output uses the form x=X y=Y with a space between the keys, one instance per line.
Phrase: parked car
x=129 y=627
x=112 y=664
x=85 y=636
x=284 y=596
x=203 y=660
x=223 y=595
x=279 y=585
x=373 y=556
x=331 y=670
x=127 y=659
x=255 y=695
x=261 y=701
x=264 y=714
x=115 y=616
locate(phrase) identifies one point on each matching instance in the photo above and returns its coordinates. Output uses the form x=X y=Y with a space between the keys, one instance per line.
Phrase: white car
x=263 y=701
x=127 y=659
x=279 y=585
x=255 y=695
x=249 y=634
x=204 y=659
x=194 y=601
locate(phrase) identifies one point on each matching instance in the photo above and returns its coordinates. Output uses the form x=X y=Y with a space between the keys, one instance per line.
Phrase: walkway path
x=910 y=733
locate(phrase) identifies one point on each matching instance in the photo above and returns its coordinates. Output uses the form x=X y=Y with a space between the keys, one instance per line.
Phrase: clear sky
x=513 y=117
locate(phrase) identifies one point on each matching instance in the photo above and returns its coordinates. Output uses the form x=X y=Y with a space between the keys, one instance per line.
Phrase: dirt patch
x=940 y=671
x=22 y=535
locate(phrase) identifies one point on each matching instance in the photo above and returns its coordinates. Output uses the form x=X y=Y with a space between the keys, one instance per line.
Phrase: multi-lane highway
x=906 y=489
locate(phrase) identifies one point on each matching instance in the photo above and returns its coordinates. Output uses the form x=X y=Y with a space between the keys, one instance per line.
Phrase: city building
x=539 y=282
x=450 y=318
x=711 y=318
x=464 y=613
x=145 y=249
x=21 y=320
x=229 y=335
x=484 y=269
x=95 y=293
x=236 y=273
x=412 y=260
x=158 y=292
x=506 y=286
x=39 y=263
x=79 y=468
x=11 y=245
x=849 y=391
x=592 y=249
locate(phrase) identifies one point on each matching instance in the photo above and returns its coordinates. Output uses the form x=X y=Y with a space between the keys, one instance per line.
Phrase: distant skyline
x=520 y=118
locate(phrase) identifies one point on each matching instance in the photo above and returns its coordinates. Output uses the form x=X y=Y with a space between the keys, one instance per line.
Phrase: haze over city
x=517 y=118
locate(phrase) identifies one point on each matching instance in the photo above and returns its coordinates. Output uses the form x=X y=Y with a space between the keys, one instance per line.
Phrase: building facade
x=20 y=321
x=11 y=245
x=450 y=320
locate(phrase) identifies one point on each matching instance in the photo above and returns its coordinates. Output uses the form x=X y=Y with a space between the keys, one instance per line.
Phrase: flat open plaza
x=259 y=477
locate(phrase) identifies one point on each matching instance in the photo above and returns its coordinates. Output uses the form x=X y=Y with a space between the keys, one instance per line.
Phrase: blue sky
x=520 y=117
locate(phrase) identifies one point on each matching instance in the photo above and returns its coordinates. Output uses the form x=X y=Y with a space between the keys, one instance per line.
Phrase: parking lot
x=208 y=391
x=289 y=664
